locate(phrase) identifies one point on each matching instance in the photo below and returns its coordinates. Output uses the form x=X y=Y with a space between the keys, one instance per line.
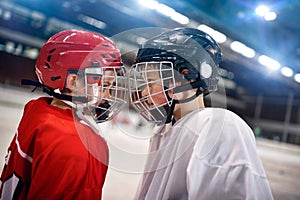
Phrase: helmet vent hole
x=47 y=65
x=110 y=57
x=54 y=78
x=51 y=51
x=113 y=55
x=49 y=58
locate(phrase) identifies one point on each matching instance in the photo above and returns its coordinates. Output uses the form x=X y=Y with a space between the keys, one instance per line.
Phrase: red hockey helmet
x=89 y=55
x=73 y=50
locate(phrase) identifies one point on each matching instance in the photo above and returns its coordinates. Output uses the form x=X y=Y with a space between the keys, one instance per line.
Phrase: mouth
x=102 y=111
x=150 y=103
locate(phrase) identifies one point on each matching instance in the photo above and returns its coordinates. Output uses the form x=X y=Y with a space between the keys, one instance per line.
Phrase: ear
x=185 y=71
x=71 y=82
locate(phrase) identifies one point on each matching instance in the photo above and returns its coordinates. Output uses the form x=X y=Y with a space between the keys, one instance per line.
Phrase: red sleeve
x=16 y=171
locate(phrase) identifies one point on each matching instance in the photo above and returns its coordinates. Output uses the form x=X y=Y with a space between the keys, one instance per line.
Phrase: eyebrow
x=109 y=82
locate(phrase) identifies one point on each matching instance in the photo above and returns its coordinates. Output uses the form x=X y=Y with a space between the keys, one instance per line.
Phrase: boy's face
x=103 y=90
x=97 y=89
x=153 y=90
x=94 y=87
x=107 y=84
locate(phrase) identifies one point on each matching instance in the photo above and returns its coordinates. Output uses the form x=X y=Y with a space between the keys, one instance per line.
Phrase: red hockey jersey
x=53 y=156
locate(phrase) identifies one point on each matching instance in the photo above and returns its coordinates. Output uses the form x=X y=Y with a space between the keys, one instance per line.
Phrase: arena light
x=261 y=10
x=7 y=15
x=297 y=78
x=151 y=4
x=180 y=18
x=92 y=21
x=9 y=47
x=31 y=53
x=218 y=36
x=170 y=12
x=270 y=16
x=242 y=49
x=265 y=12
x=165 y=10
x=269 y=62
x=38 y=16
x=286 y=71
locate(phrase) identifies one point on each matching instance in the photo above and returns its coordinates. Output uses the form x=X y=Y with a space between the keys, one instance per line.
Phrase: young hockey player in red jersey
x=57 y=151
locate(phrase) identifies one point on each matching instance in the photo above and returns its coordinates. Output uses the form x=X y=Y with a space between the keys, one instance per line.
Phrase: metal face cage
x=149 y=85
x=106 y=91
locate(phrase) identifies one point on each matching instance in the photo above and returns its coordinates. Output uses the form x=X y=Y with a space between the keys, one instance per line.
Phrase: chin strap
x=200 y=84
x=170 y=117
x=51 y=92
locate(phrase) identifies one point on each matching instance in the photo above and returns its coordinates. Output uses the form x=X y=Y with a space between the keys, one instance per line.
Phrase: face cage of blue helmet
x=152 y=104
x=106 y=91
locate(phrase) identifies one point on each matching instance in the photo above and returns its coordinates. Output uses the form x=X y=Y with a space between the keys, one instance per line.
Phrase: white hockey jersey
x=209 y=154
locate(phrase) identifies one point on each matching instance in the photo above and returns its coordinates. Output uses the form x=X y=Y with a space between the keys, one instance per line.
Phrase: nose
x=106 y=93
x=145 y=91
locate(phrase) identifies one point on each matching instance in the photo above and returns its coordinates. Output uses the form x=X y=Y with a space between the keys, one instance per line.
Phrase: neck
x=185 y=108
x=60 y=104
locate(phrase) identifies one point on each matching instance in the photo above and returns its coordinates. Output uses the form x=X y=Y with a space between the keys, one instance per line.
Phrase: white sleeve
x=225 y=164
x=205 y=181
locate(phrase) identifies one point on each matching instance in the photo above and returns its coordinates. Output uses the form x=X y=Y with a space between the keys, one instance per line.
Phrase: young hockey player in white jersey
x=196 y=152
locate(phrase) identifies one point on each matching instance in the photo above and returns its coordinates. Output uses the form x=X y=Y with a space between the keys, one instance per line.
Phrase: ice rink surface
x=281 y=160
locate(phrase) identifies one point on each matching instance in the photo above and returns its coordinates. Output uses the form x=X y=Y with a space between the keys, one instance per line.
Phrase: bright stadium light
x=152 y=4
x=165 y=10
x=92 y=21
x=269 y=62
x=181 y=19
x=262 y=10
x=297 y=78
x=218 y=36
x=270 y=16
x=286 y=71
x=242 y=49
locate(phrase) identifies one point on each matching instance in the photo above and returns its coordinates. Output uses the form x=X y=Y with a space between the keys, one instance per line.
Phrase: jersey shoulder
x=221 y=131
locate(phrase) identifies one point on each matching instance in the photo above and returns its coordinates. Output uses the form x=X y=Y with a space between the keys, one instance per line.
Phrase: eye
x=182 y=68
x=185 y=71
x=150 y=84
x=107 y=85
